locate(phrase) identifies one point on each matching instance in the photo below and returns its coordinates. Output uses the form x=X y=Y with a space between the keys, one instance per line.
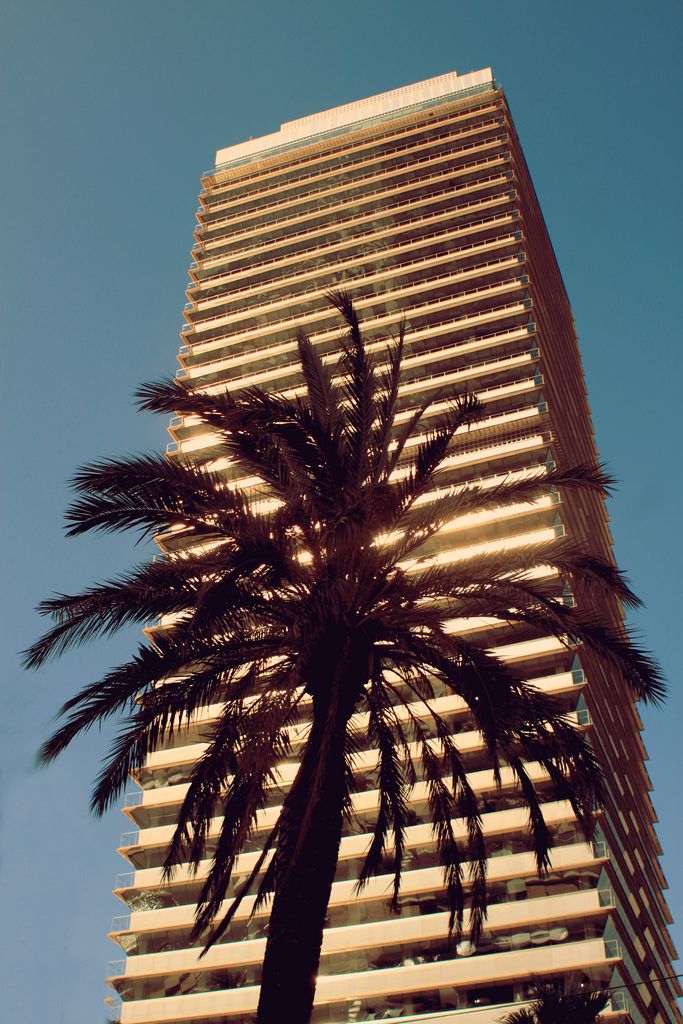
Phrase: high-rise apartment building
x=419 y=201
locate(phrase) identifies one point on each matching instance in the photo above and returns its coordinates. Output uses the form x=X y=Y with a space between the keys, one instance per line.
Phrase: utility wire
x=634 y=984
x=613 y=988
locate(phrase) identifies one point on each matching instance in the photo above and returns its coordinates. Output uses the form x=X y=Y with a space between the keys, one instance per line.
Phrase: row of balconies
x=320 y=269
x=487 y=1004
x=158 y=781
x=318 y=212
x=394 y=985
x=427 y=327
x=193 y=436
x=516 y=652
x=359 y=153
x=340 y=181
x=514 y=457
x=329 y=224
x=278 y=179
x=544 y=651
x=498 y=825
x=428 y=320
x=466 y=333
x=416 y=258
x=186 y=746
x=525 y=451
x=425 y=995
x=147 y=846
x=150 y=934
x=424 y=349
x=326 y=238
x=380 y=945
x=152 y=813
x=384 y=285
x=363 y=246
x=512 y=877
x=505 y=832
x=503 y=432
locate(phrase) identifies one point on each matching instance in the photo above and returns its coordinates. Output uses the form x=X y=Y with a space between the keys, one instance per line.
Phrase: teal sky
x=109 y=114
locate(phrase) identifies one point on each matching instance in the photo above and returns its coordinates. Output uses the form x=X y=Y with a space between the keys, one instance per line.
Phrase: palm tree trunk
x=300 y=904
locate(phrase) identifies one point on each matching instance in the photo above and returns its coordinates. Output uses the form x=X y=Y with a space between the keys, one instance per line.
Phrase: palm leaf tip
x=468 y=406
x=160 y=396
x=35 y=656
x=52 y=748
x=341 y=299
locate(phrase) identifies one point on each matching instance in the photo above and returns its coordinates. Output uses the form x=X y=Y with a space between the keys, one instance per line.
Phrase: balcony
x=271 y=182
x=374 y=218
x=210 y=282
x=385 y=182
x=397 y=942
x=476 y=979
x=415 y=189
x=289 y=180
x=265 y=299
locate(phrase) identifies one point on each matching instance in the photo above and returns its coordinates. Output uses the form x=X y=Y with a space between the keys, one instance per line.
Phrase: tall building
x=420 y=202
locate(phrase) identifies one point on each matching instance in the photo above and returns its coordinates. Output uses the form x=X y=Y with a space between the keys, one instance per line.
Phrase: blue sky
x=109 y=114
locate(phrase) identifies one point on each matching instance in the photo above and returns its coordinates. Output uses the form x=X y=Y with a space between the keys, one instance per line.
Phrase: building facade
x=420 y=203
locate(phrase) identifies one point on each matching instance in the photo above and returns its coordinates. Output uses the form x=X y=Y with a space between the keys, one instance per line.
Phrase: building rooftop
x=351 y=113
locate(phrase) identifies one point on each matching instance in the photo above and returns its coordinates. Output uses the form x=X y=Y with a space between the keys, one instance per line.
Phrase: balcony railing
x=313 y=290
x=115 y=968
x=457 y=211
x=339 y=186
x=130 y=838
x=113 y=1002
x=620 y=1002
x=376 y=213
x=354 y=260
x=324 y=308
x=339 y=203
x=320 y=246
x=120 y=923
x=606 y=897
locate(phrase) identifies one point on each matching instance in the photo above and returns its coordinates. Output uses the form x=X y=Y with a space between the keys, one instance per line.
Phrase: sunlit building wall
x=419 y=202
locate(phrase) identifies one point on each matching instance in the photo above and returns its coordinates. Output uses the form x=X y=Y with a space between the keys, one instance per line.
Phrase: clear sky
x=110 y=111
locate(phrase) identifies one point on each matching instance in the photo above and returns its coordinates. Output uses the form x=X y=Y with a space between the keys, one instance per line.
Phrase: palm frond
x=322 y=393
x=246 y=797
x=462 y=411
x=520 y=1017
x=387 y=404
x=358 y=387
x=116 y=692
x=386 y=731
x=205 y=919
x=157 y=718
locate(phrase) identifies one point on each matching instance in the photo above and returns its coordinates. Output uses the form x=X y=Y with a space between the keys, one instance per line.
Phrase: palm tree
x=552 y=1007
x=300 y=594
